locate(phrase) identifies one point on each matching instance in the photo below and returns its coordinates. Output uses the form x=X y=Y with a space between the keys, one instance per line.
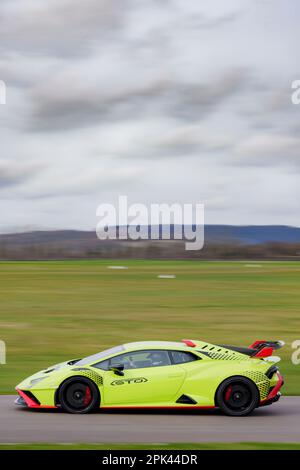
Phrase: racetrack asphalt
x=279 y=422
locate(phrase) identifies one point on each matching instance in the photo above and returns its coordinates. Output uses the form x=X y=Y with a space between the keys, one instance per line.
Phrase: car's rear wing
x=262 y=348
x=259 y=349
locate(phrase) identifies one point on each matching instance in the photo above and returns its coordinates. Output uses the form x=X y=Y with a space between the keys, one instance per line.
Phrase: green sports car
x=159 y=374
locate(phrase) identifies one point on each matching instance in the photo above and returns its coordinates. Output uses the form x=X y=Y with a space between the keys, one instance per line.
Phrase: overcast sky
x=163 y=101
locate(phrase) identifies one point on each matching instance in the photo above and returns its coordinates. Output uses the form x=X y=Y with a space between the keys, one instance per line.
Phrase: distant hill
x=221 y=242
x=252 y=234
x=244 y=234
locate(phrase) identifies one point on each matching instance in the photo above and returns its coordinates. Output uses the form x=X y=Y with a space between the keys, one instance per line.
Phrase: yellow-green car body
x=191 y=373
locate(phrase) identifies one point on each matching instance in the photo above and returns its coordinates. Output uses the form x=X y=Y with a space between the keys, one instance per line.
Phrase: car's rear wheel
x=78 y=395
x=237 y=396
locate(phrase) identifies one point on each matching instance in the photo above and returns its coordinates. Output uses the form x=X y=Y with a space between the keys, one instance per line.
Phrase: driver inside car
x=157 y=359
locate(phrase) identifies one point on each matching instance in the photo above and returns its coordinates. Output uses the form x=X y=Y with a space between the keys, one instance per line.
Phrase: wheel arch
x=78 y=377
x=234 y=377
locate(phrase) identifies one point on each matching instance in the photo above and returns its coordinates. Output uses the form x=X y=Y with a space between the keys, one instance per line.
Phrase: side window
x=124 y=359
x=181 y=357
x=137 y=360
x=104 y=365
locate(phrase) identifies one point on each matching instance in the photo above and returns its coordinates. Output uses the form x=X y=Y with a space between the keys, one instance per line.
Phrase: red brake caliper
x=228 y=393
x=87 y=396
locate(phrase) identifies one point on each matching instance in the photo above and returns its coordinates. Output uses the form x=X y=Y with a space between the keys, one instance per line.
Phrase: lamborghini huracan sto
x=159 y=374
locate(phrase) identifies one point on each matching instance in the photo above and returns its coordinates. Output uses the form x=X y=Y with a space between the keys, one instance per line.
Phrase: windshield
x=100 y=355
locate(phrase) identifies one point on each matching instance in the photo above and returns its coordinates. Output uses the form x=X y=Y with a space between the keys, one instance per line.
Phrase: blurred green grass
x=57 y=310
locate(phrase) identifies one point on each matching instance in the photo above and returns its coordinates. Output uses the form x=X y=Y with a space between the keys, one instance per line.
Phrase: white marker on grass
x=166 y=276
x=117 y=267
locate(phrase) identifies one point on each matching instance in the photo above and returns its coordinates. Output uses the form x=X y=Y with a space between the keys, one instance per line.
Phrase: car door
x=149 y=378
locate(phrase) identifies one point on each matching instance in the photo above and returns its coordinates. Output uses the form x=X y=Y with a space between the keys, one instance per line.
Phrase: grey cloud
x=67 y=102
x=73 y=104
x=198 y=99
x=70 y=28
x=81 y=186
x=59 y=27
x=184 y=140
x=145 y=97
x=13 y=173
x=25 y=72
x=181 y=22
x=203 y=22
x=267 y=150
x=192 y=139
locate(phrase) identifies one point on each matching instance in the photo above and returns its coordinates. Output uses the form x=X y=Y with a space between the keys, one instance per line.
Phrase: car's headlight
x=36 y=381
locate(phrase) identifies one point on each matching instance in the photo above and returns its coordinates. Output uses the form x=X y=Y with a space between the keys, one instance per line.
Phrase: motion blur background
x=173 y=101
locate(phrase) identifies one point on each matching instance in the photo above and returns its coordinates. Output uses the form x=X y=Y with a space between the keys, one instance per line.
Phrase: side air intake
x=186 y=400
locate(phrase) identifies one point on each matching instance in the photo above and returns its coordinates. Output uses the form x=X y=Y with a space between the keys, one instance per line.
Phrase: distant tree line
x=161 y=249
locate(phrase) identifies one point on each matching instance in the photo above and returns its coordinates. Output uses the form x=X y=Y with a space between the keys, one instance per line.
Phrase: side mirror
x=117 y=369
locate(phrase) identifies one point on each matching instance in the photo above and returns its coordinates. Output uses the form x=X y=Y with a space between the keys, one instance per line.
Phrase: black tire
x=78 y=395
x=237 y=396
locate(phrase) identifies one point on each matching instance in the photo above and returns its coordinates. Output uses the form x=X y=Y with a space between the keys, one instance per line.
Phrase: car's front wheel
x=237 y=396
x=78 y=395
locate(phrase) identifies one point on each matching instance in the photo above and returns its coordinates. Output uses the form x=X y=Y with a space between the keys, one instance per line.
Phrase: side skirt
x=158 y=407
